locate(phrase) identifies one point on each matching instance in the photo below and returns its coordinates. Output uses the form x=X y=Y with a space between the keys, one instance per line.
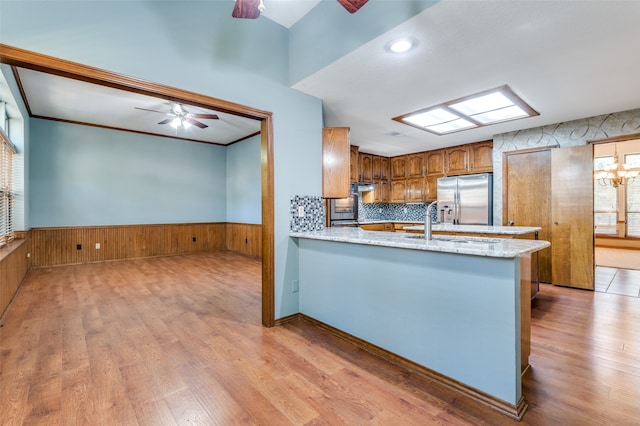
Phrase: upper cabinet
x=398 y=167
x=434 y=161
x=366 y=167
x=335 y=162
x=415 y=165
x=353 y=164
x=471 y=158
x=457 y=160
x=481 y=157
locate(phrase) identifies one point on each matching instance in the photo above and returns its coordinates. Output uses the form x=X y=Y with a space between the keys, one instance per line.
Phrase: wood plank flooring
x=178 y=340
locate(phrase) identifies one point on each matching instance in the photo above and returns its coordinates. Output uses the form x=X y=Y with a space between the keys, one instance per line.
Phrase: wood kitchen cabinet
x=385 y=226
x=384 y=168
x=414 y=166
x=335 y=162
x=398 y=165
x=366 y=167
x=353 y=164
x=431 y=188
x=397 y=189
x=379 y=195
x=457 y=160
x=434 y=162
x=414 y=190
x=377 y=166
x=481 y=157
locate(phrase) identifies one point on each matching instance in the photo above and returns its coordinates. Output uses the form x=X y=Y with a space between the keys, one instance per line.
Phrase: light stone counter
x=477 y=229
x=488 y=247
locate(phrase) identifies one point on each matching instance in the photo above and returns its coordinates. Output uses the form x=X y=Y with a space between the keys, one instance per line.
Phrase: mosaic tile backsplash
x=314 y=213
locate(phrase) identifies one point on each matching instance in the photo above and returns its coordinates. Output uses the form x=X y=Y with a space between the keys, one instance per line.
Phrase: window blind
x=7 y=196
x=633 y=199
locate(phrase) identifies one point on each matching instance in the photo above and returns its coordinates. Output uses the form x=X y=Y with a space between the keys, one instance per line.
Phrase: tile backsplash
x=314 y=216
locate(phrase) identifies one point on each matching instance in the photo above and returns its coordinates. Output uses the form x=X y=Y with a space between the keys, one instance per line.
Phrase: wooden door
x=397 y=191
x=414 y=190
x=384 y=168
x=572 y=217
x=526 y=197
x=377 y=167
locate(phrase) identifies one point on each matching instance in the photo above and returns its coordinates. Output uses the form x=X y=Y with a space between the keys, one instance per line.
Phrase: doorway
x=617 y=219
x=35 y=61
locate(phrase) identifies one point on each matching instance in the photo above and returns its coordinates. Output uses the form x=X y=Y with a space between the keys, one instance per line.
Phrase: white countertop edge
x=488 y=247
x=478 y=229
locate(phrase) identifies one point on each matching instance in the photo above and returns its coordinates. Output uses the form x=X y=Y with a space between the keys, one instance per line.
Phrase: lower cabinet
x=383 y=226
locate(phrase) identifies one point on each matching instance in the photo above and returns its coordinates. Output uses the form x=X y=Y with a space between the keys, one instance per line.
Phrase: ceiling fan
x=251 y=9
x=178 y=116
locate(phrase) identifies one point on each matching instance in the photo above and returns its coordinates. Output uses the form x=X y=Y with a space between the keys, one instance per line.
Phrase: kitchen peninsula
x=453 y=308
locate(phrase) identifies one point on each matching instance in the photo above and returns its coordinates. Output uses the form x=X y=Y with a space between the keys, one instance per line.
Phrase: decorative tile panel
x=314 y=213
x=562 y=135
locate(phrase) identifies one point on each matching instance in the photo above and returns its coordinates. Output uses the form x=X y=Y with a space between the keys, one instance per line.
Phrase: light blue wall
x=83 y=175
x=244 y=183
x=197 y=46
x=328 y=31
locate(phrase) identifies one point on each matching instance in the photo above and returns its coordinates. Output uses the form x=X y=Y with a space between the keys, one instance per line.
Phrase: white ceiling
x=567 y=59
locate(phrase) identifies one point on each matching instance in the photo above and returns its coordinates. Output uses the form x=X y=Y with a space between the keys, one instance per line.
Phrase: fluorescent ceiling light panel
x=482 y=109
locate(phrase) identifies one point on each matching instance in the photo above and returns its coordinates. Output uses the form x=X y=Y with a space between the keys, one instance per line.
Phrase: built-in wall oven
x=344 y=211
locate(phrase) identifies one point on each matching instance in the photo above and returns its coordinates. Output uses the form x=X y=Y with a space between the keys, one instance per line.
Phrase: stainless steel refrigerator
x=466 y=200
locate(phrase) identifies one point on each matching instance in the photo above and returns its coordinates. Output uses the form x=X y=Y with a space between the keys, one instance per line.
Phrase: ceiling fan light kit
x=178 y=116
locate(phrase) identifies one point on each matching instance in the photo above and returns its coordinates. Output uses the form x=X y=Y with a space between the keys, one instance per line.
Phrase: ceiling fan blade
x=151 y=110
x=246 y=9
x=207 y=116
x=196 y=123
x=352 y=6
x=168 y=120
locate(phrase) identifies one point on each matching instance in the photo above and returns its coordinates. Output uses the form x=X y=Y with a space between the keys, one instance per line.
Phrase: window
x=633 y=198
x=7 y=197
x=605 y=202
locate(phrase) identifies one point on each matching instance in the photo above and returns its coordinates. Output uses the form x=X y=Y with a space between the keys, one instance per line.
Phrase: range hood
x=365 y=186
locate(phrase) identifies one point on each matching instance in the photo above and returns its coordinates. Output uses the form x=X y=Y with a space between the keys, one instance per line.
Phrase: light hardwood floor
x=178 y=340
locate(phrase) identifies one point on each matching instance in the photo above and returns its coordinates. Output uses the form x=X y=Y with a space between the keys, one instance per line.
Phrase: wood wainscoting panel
x=245 y=238
x=65 y=246
x=14 y=266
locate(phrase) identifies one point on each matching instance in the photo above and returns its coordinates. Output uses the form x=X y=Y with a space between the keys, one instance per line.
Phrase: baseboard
x=514 y=411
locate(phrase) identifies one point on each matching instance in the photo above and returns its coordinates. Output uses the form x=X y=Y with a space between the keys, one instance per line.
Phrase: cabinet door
x=435 y=162
x=353 y=163
x=377 y=167
x=366 y=167
x=431 y=188
x=414 y=190
x=481 y=157
x=384 y=168
x=382 y=191
x=457 y=160
x=397 y=191
x=335 y=162
x=415 y=165
x=398 y=167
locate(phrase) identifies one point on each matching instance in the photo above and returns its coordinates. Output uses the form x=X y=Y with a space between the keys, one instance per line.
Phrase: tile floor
x=625 y=282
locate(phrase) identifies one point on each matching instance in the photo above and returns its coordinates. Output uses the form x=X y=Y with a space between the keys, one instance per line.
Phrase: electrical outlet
x=295 y=286
x=300 y=211
x=97 y=246
x=405 y=210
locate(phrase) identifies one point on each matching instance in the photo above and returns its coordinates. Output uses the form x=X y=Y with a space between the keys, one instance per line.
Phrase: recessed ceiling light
x=401 y=45
x=482 y=109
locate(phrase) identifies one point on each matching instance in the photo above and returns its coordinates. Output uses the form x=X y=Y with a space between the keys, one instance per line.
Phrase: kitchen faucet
x=427 y=221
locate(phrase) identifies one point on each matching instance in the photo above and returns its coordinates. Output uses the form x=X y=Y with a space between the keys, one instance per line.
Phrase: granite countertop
x=488 y=247
x=477 y=229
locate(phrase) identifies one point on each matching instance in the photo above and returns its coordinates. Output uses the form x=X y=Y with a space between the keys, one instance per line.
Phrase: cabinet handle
x=511 y=223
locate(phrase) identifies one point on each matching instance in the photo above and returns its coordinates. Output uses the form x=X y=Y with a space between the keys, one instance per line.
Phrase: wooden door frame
x=31 y=60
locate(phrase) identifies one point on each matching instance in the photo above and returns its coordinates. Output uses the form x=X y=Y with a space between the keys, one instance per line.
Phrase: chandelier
x=616 y=173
